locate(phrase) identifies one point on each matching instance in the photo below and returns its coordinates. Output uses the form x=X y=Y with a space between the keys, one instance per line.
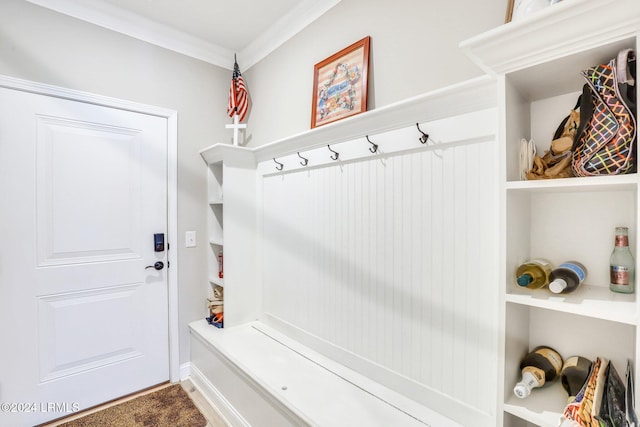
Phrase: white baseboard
x=185 y=371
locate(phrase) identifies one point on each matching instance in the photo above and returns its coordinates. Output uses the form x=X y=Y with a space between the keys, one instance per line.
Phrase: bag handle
x=625 y=72
x=586 y=111
x=564 y=121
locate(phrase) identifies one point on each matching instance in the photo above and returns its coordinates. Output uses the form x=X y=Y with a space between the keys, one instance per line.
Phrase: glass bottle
x=574 y=374
x=220 y=265
x=533 y=274
x=621 y=264
x=567 y=277
x=542 y=365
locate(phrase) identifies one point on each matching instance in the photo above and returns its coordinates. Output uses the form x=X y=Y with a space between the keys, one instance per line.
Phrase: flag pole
x=233 y=99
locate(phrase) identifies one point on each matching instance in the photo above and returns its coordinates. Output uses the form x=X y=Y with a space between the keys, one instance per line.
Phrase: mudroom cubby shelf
x=537 y=62
x=231 y=223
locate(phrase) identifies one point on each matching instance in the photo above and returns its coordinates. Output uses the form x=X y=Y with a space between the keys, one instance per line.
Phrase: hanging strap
x=563 y=123
x=586 y=111
x=623 y=63
x=626 y=78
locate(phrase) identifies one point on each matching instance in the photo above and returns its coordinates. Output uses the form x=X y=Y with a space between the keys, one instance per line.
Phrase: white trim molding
x=112 y=17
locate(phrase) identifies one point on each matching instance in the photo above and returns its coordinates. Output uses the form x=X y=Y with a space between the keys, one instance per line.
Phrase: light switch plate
x=190 y=239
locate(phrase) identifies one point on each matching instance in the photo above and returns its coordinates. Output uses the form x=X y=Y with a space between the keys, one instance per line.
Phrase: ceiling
x=209 y=30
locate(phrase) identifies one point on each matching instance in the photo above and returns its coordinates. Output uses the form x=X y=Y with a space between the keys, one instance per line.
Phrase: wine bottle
x=574 y=374
x=542 y=365
x=621 y=264
x=567 y=277
x=533 y=274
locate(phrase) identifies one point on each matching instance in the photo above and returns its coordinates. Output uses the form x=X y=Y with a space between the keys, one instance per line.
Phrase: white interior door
x=83 y=190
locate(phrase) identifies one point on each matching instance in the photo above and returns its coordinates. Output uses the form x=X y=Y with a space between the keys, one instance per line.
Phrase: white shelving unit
x=215 y=218
x=231 y=213
x=537 y=61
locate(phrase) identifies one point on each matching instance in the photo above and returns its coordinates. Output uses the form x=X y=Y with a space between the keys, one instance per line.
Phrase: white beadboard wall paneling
x=384 y=261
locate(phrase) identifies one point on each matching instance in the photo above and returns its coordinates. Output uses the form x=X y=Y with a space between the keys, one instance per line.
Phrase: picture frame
x=340 y=84
x=519 y=8
x=509 y=13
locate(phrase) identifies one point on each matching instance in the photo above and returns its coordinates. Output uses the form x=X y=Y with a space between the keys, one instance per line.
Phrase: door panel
x=66 y=347
x=84 y=188
x=68 y=206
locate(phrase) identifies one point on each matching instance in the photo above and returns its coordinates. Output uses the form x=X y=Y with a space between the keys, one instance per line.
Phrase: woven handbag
x=606 y=142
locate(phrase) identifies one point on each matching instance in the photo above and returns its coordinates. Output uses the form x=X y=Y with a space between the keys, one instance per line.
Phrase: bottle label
x=552 y=356
x=575 y=268
x=619 y=275
x=540 y=261
x=622 y=240
x=532 y=376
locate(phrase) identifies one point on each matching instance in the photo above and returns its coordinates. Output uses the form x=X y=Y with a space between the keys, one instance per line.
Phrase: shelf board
x=468 y=96
x=589 y=300
x=216 y=202
x=216 y=241
x=217 y=281
x=592 y=183
x=218 y=154
x=543 y=36
x=543 y=407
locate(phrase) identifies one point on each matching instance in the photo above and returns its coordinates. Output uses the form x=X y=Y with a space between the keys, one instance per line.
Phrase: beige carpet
x=168 y=407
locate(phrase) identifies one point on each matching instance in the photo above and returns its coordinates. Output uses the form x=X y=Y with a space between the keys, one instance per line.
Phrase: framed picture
x=509 y=14
x=518 y=8
x=340 y=84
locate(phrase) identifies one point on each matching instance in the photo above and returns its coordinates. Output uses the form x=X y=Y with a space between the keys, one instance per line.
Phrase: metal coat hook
x=280 y=165
x=374 y=147
x=424 y=137
x=304 y=161
x=335 y=154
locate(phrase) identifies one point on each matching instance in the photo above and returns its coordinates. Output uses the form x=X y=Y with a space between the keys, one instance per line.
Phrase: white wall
x=44 y=46
x=414 y=49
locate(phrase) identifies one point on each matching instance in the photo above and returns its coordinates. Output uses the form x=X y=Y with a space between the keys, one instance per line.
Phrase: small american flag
x=238 y=96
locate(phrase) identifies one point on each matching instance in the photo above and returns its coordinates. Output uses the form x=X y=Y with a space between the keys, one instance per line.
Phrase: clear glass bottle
x=533 y=274
x=621 y=264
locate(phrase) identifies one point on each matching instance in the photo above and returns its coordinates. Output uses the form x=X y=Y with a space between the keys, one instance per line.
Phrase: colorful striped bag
x=606 y=142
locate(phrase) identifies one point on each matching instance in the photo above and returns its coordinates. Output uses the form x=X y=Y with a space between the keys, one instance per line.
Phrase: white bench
x=257 y=377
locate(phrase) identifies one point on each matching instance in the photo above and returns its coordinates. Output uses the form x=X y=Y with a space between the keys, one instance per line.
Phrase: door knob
x=159 y=265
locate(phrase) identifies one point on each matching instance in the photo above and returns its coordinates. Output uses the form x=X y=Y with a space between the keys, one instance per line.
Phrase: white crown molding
x=544 y=35
x=284 y=29
x=122 y=21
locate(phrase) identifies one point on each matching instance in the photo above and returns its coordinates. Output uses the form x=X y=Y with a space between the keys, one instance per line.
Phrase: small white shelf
x=217 y=281
x=589 y=300
x=216 y=241
x=594 y=183
x=543 y=407
x=216 y=202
